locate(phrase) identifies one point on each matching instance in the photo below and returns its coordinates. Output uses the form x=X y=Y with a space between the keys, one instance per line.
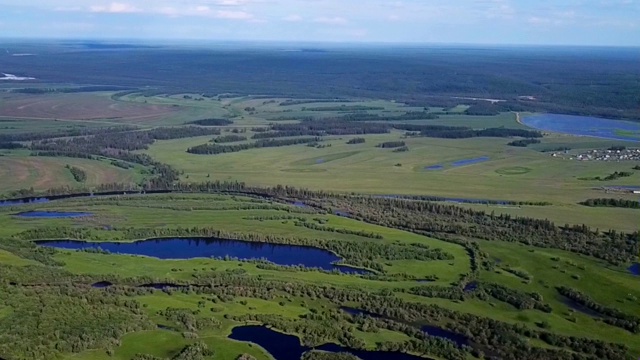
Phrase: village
x=621 y=154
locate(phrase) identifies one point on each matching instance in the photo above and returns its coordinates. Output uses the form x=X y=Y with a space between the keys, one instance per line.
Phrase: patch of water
x=287 y=347
x=470 y=161
x=431 y=330
x=101 y=284
x=300 y=204
x=580 y=308
x=583 y=126
x=470 y=287
x=436 y=331
x=189 y=248
x=51 y=214
x=434 y=167
x=635 y=269
x=22 y=202
x=341 y=213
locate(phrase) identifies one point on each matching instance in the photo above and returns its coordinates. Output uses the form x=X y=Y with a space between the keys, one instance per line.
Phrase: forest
x=554 y=77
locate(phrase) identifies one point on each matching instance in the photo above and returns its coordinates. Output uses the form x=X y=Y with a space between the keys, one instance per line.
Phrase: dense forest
x=528 y=79
x=211 y=122
x=213 y=149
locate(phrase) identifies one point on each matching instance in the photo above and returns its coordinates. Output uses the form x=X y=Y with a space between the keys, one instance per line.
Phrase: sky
x=548 y=22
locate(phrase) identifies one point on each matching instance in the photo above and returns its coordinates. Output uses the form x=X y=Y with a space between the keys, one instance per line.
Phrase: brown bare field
x=81 y=106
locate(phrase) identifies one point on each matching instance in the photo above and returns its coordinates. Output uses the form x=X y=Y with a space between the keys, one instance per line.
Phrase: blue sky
x=577 y=22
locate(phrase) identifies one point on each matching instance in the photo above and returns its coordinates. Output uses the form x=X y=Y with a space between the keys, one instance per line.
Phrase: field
x=354 y=169
x=18 y=171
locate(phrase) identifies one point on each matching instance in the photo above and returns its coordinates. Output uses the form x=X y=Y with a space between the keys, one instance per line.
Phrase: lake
x=585 y=126
x=189 y=248
x=287 y=347
x=52 y=214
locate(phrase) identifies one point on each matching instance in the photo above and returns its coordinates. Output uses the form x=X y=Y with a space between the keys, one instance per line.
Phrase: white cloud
x=114 y=8
x=336 y=20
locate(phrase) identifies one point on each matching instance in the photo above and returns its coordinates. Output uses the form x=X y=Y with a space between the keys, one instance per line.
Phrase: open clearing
x=41 y=173
x=83 y=106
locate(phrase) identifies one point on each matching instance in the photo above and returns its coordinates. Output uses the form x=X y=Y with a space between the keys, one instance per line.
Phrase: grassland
x=20 y=171
x=548 y=268
x=511 y=173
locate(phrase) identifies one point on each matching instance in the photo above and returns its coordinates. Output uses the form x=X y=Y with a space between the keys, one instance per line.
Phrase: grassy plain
x=511 y=173
x=547 y=267
x=18 y=170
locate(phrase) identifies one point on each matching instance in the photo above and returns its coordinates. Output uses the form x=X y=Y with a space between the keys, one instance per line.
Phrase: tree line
x=523 y=142
x=391 y=144
x=214 y=149
x=611 y=202
x=211 y=122
x=610 y=315
x=229 y=139
x=78 y=174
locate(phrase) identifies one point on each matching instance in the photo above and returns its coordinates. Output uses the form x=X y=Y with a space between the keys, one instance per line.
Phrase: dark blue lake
x=635 y=269
x=470 y=161
x=585 y=126
x=52 y=214
x=288 y=347
x=183 y=248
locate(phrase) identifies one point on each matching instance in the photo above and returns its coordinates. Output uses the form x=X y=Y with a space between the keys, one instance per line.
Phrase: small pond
x=470 y=287
x=635 y=269
x=287 y=347
x=579 y=307
x=101 y=284
x=52 y=214
x=431 y=330
x=585 y=126
x=189 y=248
x=470 y=161
x=447 y=334
x=434 y=167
